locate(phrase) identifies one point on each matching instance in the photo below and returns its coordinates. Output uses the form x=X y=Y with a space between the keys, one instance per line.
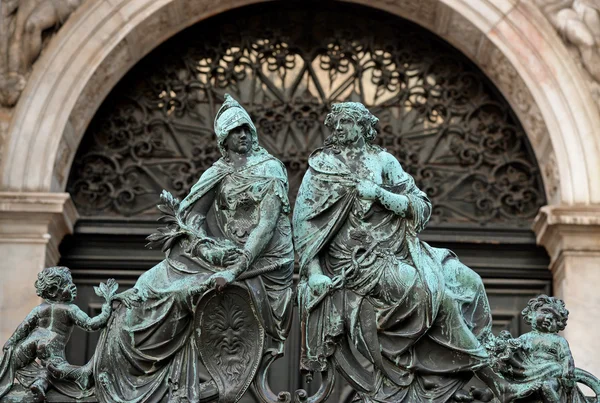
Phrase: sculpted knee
x=31 y=26
x=466 y=276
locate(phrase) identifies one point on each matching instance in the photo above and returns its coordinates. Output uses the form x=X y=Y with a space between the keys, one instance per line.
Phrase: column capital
x=568 y=230
x=38 y=218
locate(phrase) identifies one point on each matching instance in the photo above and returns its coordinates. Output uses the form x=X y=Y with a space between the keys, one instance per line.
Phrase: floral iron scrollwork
x=439 y=115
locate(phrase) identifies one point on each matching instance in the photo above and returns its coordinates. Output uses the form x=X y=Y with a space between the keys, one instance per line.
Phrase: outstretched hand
x=220 y=280
x=221 y=256
x=367 y=190
x=319 y=284
x=129 y=298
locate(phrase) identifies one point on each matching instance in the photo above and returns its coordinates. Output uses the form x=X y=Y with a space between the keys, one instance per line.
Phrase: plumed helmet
x=231 y=115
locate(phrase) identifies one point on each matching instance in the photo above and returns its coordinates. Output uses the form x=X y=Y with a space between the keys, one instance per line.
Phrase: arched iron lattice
x=439 y=115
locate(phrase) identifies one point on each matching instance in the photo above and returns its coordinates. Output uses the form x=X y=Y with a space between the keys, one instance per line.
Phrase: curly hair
x=543 y=300
x=361 y=115
x=52 y=282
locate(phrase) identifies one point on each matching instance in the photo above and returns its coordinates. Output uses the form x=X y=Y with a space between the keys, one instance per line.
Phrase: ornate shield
x=230 y=339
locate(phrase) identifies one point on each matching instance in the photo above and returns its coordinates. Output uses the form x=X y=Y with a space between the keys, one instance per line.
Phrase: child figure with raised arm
x=546 y=354
x=44 y=333
x=543 y=356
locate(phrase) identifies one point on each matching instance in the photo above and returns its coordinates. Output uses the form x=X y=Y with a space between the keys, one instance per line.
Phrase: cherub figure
x=543 y=355
x=42 y=337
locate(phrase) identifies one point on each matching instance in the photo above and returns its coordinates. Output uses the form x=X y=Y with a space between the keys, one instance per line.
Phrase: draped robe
x=412 y=311
x=543 y=357
x=148 y=352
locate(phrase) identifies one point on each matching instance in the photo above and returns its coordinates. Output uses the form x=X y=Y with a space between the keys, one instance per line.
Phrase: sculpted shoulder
x=323 y=160
x=387 y=158
x=274 y=167
x=390 y=163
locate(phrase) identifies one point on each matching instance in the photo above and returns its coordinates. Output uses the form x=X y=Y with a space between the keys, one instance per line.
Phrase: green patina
x=35 y=353
x=233 y=227
x=370 y=291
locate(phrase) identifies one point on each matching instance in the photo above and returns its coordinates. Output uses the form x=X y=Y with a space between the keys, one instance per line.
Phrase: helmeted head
x=231 y=116
x=56 y=284
x=348 y=120
x=546 y=314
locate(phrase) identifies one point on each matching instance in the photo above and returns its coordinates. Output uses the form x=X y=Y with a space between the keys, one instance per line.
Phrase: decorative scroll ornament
x=230 y=339
x=439 y=115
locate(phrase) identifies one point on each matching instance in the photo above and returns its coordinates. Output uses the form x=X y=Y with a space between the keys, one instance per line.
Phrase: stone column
x=571 y=235
x=31 y=228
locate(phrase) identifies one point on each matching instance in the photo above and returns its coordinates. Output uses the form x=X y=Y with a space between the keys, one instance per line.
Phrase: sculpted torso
x=55 y=324
x=379 y=167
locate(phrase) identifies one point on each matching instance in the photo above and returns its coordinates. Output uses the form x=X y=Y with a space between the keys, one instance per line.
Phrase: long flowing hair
x=359 y=114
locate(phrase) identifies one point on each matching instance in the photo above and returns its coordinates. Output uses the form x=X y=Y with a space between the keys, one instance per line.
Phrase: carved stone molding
x=31 y=227
x=37 y=218
x=564 y=230
x=509 y=81
x=465 y=33
x=5 y=116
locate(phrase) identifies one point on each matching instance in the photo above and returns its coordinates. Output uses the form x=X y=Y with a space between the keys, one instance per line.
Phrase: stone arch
x=512 y=43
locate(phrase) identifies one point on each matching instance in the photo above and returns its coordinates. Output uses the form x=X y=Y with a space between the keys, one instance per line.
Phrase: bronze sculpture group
x=206 y=322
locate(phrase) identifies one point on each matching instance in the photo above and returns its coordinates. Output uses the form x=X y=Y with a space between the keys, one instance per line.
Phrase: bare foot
x=39 y=392
x=482 y=394
x=462 y=396
x=80 y=375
